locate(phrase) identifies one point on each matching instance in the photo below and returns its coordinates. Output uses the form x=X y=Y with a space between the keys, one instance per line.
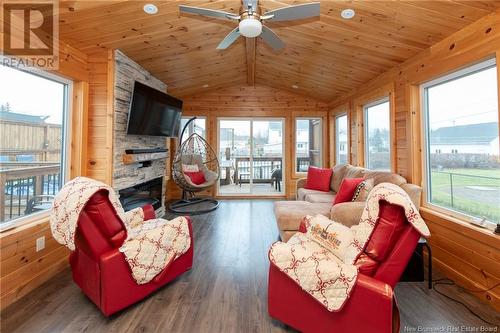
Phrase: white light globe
x=250 y=27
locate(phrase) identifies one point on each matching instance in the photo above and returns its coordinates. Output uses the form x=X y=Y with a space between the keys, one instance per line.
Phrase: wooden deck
x=226 y=291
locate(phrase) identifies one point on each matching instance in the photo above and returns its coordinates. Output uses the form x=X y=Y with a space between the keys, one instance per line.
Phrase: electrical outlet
x=40 y=243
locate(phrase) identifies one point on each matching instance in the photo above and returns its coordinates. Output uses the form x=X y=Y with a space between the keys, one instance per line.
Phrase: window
x=377 y=135
x=461 y=122
x=197 y=126
x=308 y=142
x=341 y=139
x=33 y=118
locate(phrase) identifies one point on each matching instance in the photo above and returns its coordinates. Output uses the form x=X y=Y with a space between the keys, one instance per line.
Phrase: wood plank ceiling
x=325 y=58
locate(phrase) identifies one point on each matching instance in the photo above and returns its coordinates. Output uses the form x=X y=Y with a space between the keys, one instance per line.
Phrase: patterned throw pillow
x=332 y=235
x=363 y=189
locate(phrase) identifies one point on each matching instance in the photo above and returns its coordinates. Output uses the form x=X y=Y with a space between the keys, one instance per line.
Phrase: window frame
x=192 y=124
x=425 y=142
x=321 y=143
x=251 y=120
x=366 y=146
x=66 y=157
x=337 y=146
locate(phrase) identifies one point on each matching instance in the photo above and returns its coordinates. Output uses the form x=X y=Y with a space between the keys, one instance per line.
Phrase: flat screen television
x=153 y=112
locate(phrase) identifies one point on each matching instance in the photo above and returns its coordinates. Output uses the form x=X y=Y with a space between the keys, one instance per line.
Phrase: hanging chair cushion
x=193 y=156
x=196 y=177
x=190 y=168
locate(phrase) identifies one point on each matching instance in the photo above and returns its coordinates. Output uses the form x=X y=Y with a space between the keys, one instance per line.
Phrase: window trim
x=336 y=146
x=425 y=142
x=385 y=99
x=66 y=157
x=321 y=144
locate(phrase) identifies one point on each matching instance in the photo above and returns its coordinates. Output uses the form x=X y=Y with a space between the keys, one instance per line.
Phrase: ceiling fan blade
x=297 y=12
x=229 y=39
x=208 y=12
x=271 y=38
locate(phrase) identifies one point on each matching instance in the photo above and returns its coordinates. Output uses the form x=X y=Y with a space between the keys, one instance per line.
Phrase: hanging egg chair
x=195 y=168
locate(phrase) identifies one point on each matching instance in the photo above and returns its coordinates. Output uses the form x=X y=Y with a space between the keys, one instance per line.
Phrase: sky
x=379 y=116
x=30 y=94
x=469 y=100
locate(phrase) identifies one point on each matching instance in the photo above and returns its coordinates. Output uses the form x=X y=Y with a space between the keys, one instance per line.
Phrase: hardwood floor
x=226 y=291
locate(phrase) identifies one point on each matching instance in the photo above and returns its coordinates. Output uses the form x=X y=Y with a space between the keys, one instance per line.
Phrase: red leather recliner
x=100 y=269
x=371 y=306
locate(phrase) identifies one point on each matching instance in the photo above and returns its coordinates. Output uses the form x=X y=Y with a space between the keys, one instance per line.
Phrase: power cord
x=448 y=282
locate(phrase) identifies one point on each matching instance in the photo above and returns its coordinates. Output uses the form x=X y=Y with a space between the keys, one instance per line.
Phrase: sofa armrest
x=374 y=288
x=301 y=182
x=347 y=213
x=415 y=193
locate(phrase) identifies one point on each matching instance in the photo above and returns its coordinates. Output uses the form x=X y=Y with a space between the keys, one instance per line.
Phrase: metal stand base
x=193 y=206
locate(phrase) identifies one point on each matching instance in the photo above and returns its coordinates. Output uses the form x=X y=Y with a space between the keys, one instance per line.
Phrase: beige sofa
x=310 y=202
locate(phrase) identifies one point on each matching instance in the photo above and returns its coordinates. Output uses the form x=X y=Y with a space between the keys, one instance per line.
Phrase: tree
x=5 y=108
x=377 y=142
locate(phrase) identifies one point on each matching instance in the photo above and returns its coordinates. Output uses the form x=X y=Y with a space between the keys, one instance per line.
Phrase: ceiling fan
x=250 y=21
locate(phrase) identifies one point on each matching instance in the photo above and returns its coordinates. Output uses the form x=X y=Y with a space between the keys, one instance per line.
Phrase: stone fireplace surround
x=128 y=175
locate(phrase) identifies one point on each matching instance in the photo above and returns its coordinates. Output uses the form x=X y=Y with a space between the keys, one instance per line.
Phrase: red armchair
x=100 y=269
x=371 y=306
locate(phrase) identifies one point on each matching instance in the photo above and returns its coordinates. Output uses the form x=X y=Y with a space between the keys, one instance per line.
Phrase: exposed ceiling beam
x=250 y=45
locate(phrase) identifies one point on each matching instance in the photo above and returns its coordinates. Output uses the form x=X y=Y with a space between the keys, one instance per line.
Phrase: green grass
x=466 y=200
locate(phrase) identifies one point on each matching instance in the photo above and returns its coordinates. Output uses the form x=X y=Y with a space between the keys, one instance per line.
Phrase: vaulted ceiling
x=324 y=58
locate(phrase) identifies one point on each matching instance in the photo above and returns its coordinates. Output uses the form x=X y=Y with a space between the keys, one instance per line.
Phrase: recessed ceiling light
x=150 y=9
x=295 y=86
x=205 y=85
x=348 y=13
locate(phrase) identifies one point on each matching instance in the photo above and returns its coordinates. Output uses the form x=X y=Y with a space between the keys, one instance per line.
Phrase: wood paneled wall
x=467 y=254
x=100 y=116
x=256 y=101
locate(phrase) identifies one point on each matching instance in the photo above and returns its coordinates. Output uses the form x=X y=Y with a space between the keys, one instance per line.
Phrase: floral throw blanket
x=321 y=260
x=150 y=245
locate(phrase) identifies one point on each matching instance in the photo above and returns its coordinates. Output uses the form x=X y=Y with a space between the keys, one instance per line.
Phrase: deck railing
x=262 y=169
x=303 y=164
x=22 y=185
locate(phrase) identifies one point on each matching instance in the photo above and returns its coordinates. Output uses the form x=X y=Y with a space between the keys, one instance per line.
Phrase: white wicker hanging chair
x=194 y=151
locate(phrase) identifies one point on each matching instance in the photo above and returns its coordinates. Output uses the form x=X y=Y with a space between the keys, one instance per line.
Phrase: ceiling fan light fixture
x=348 y=13
x=250 y=27
x=150 y=9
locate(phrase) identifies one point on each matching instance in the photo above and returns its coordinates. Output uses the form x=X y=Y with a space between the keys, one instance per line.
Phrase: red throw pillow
x=347 y=189
x=318 y=179
x=197 y=177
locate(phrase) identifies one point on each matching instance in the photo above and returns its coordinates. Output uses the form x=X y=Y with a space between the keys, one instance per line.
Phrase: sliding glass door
x=251 y=156
x=234 y=152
